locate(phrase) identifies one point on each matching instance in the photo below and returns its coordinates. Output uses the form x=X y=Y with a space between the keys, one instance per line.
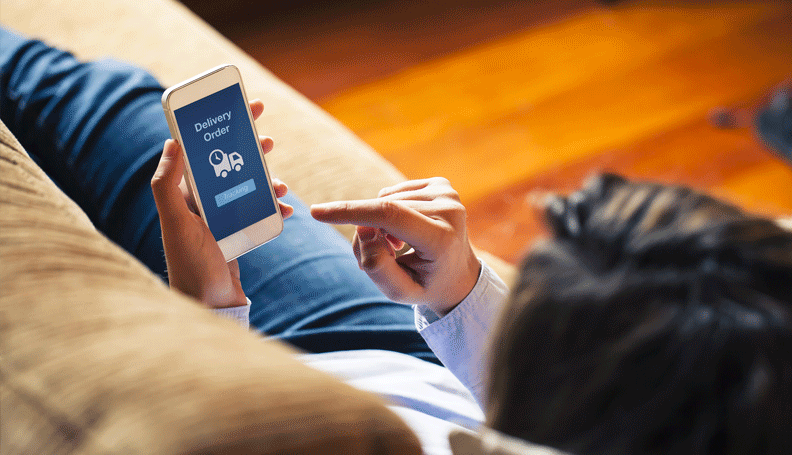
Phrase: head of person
x=654 y=320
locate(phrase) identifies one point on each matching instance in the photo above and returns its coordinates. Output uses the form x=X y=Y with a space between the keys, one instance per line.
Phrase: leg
x=97 y=129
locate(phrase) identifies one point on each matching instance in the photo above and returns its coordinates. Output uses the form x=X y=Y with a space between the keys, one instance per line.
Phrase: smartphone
x=225 y=169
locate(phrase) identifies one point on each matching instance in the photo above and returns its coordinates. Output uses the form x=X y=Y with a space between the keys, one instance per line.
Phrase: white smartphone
x=225 y=170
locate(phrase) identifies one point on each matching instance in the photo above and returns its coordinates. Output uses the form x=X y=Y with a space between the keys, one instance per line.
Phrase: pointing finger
x=395 y=217
x=410 y=185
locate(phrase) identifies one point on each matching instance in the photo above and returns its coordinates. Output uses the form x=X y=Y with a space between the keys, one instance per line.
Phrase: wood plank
x=730 y=164
x=764 y=189
x=627 y=90
x=496 y=115
x=322 y=48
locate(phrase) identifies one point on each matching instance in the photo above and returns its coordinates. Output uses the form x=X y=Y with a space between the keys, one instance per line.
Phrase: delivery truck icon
x=223 y=163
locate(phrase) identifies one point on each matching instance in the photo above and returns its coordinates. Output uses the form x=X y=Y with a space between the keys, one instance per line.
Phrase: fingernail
x=366 y=235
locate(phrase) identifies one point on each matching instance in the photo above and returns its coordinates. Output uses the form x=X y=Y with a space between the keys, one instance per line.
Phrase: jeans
x=97 y=129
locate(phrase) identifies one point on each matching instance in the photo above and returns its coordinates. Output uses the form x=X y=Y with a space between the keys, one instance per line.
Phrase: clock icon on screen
x=217 y=157
x=219 y=160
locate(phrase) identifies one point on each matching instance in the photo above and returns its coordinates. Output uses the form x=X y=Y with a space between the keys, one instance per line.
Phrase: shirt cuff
x=238 y=314
x=459 y=339
x=424 y=316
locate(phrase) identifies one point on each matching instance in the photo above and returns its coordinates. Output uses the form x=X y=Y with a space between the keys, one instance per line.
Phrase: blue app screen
x=225 y=161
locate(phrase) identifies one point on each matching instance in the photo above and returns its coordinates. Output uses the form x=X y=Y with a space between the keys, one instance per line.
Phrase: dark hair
x=656 y=320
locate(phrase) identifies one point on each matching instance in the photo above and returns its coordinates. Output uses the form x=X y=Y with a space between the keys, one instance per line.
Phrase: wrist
x=218 y=306
x=227 y=304
x=464 y=287
x=226 y=299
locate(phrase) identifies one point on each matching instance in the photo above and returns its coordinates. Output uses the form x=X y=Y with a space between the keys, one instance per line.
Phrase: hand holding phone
x=196 y=265
x=225 y=172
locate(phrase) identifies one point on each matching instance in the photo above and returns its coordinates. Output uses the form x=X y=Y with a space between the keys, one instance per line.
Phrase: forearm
x=459 y=339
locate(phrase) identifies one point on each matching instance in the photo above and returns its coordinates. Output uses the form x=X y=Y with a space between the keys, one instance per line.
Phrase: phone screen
x=225 y=162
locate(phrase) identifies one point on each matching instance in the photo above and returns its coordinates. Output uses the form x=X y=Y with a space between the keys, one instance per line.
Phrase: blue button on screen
x=234 y=193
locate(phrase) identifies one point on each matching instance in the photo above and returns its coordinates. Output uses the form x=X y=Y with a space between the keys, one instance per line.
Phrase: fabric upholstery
x=98 y=356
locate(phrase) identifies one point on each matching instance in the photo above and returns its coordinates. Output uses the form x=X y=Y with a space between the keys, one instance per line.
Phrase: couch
x=97 y=355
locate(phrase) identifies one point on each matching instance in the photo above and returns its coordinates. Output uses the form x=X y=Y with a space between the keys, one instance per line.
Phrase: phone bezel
x=188 y=92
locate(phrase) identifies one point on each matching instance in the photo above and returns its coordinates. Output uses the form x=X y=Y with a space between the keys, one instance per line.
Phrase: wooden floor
x=509 y=108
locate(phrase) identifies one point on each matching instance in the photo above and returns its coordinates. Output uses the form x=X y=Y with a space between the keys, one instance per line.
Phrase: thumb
x=165 y=184
x=378 y=259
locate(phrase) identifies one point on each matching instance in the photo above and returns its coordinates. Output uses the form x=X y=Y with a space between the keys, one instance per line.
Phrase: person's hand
x=196 y=265
x=440 y=270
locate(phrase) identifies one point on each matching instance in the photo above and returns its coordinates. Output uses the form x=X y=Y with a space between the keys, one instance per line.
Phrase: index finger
x=396 y=218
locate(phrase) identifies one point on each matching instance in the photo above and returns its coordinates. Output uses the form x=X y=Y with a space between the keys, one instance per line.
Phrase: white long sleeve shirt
x=431 y=399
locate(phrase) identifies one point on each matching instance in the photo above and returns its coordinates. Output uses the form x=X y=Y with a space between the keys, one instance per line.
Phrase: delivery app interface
x=225 y=162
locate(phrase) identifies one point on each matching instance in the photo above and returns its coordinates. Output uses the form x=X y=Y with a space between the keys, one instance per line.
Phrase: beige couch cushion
x=98 y=356
x=315 y=155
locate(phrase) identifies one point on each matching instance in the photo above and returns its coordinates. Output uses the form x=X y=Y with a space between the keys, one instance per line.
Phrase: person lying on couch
x=654 y=320
x=97 y=129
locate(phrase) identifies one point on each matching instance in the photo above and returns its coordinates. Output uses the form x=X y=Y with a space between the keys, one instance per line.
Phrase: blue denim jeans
x=98 y=128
